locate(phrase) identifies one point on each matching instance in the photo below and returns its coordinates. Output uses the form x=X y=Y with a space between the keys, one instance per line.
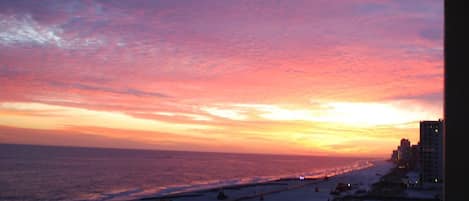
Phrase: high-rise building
x=431 y=150
x=403 y=151
x=414 y=156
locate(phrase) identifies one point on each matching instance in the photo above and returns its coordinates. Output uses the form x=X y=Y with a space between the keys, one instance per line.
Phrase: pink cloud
x=153 y=56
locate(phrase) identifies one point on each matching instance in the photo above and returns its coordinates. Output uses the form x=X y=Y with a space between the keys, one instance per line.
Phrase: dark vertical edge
x=455 y=104
x=445 y=95
x=445 y=101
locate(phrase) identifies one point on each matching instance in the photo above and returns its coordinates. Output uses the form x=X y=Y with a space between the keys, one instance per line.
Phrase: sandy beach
x=292 y=189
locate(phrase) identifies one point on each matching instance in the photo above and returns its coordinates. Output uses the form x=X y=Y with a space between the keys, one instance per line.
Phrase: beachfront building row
x=425 y=157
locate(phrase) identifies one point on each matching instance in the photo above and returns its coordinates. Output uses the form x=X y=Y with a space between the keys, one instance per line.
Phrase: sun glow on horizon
x=351 y=113
x=299 y=127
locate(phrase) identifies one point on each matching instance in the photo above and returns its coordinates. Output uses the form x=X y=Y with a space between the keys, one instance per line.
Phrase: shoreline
x=379 y=182
x=249 y=191
x=196 y=193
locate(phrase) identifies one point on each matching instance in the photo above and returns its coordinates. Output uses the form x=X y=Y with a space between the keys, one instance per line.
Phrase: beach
x=308 y=189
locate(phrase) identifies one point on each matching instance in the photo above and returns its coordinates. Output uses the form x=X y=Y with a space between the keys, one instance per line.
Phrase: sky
x=308 y=77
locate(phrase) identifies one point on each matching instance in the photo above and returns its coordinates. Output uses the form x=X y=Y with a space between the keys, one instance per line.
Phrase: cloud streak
x=128 y=91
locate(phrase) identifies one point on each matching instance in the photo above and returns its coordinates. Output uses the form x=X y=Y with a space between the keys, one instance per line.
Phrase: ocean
x=31 y=172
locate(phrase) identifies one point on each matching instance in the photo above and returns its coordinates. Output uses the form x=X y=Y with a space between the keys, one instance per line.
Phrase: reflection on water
x=64 y=173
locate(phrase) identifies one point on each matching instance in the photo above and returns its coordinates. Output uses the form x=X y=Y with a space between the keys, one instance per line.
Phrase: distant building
x=405 y=143
x=414 y=156
x=404 y=152
x=394 y=156
x=431 y=150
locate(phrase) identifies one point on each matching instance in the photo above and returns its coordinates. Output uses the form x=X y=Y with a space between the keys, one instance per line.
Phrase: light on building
x=436 y=130
x=436 y=180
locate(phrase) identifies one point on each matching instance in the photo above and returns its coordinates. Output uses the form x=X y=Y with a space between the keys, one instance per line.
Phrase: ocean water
x=29 y=172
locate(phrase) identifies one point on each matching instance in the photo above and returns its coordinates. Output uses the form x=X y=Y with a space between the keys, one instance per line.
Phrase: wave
x=138 y=193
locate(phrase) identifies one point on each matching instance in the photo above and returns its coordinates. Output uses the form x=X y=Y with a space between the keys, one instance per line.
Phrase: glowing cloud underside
x=61 y=117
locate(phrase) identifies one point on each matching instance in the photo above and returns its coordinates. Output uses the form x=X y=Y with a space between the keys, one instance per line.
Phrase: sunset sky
x=316 y=77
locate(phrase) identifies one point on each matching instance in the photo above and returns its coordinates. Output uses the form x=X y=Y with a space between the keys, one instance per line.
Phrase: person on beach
x=221 y=195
